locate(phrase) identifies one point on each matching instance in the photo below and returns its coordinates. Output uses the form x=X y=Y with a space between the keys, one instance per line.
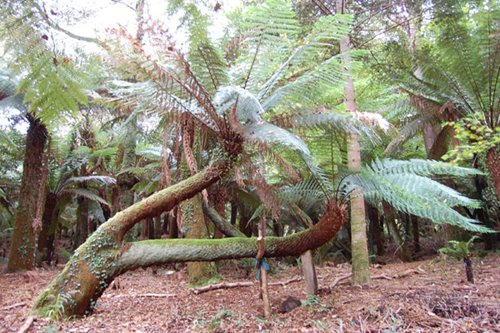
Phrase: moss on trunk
x=92 y=267
x=102 y=258
x=193 y=221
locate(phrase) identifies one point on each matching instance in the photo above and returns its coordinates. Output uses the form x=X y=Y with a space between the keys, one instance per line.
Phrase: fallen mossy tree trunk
x=103 y=256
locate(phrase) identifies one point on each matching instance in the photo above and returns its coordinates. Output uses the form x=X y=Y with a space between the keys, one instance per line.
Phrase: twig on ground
x=26 y=325
x=340 y=279
x=229 y=285
x=139 y=295
x=12 y=306
x=224 y=285
x=418 y=270
x=283 y=283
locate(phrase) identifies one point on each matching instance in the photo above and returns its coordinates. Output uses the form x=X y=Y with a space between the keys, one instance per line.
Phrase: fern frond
x=306 y=88
x=100 y=180
x=326 y=31
x=421 y=168
x=205 y=58
x=403 y=184
x=84 y=193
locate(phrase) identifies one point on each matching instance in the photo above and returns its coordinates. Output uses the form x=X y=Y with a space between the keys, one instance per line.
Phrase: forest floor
x=421 y=296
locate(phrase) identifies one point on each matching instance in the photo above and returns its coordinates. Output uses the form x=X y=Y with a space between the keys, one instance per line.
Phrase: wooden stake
x=309 y=273
x=263 y=273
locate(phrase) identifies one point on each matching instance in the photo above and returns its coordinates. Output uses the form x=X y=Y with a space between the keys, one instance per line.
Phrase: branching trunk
x=103 y=257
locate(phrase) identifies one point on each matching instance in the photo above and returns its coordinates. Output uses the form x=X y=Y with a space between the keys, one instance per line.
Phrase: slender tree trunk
x=493 y=162
x=375 y=230
x=309 y=272
x=22 y=251
x=157 y=226
x=468 y=269
x=173 y=232
x=82 y=222
x=390 y=221
x=234 y=212
x=151 y=228
x=431 y=131
x=244 y=226
x=415 y=233
x=359 y=242
x=43 y=236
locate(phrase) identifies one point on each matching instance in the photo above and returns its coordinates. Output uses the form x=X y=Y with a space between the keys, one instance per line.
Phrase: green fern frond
x=421 y=168
x=205 y=58
x=269 y=31
x=403 y=184
x=326 y=31
x=411 y=129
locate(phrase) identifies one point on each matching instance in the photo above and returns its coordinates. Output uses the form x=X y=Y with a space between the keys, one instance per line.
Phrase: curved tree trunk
x=88 y=272
x=102 y=258
x=22 y=250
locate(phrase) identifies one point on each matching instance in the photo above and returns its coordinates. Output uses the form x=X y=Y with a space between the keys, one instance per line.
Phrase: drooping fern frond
x=98 y=180
x=306 y=88
x=418 y=167
x=405 y=186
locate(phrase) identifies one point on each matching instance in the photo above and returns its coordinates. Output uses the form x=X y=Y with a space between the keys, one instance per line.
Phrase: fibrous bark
x=45 y=237
x=22 y=251
x=493 y=162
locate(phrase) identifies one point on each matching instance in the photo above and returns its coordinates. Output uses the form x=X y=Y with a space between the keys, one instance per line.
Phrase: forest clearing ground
x=435 y=300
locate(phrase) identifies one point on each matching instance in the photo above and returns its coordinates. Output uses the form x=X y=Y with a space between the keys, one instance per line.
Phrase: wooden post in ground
x=309 y=273
x=263 y=272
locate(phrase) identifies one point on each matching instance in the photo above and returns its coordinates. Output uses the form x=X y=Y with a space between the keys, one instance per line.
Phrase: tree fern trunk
x=359 y=242
x=468 y=269
x=493 y=162
x=193 y=221
x=390 y=221
x=22 y=251
x=82 y=221
x=44 y=236
x=94 y=264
